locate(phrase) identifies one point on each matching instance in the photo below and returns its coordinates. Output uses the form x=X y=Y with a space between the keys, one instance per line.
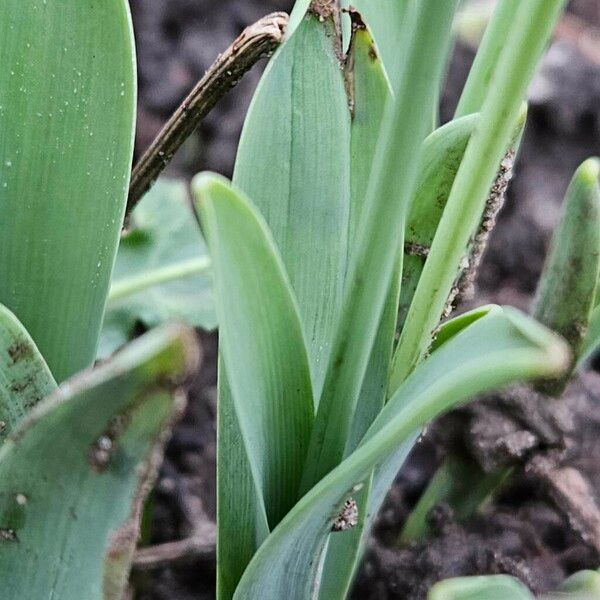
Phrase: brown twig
x=257 y=41
x=197 y=547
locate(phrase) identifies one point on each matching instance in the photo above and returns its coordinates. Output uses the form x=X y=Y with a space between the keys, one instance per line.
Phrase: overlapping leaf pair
x=307 y=246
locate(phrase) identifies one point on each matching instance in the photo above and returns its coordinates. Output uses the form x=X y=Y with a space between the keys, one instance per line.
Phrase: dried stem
x=182 y=552
x=257 y=41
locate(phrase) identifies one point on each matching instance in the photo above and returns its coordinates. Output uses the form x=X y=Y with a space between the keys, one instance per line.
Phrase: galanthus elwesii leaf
x=384 y=18
x=74 y=473
x=24 y=376
x=67 y=117
x=533 y=25
x=294 y=163
x=162 y=271
x=262 y=345
x=497 y=349
x=486 y=61
x=442 y=154
x=380 y=234
x=566 y=293
x=369 y=91
x=494 y=587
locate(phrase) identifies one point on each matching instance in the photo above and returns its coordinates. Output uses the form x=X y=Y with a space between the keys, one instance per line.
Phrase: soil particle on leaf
x=18 y=352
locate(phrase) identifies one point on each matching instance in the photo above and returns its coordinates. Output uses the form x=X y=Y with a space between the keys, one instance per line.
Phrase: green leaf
x=241 y=520
x=442 y=154
x=161 y=271
x=486 y=61
x=494 y=587
x=583 y=582
x=67 y=115
x=591 y=342
x=369 y=90
x=24 y=376
x=531 y=29
x=261 y=342
x=74 y=474
x=567 y=289
x=294 y=162
x=497 y=349
x=385 y=19
x=404 y=128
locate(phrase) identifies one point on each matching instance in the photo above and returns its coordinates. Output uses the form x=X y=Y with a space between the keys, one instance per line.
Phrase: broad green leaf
x=532 y=27
x=294 y=163
x=161 y=271
x=73 y=475
x=442 y=154
x=262 y=344
x=67 y=115
x=567 y=289
x=24 y=376
x=379 y=238
x=369 y=90
x=494 y=587
x=497 y=349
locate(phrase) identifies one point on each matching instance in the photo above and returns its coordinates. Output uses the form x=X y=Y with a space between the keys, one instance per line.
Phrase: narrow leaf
x=24 y=376
x=369 y=90
x=532 y=26
x=162 y=269
x=67 y=115
x=442 y=154
x=566 y=292
x=394 y=173
x=495 y=350
x=261 y=342
x=74 y=474
x=486 y=61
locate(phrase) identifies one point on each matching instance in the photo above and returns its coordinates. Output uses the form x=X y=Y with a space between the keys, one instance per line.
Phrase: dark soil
x=530 y=531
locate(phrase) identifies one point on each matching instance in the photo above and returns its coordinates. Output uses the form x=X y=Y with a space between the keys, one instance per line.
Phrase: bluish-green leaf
x=73 y=475
x=162 y=269
x=369 y=91
x=262 y=344
x=294 y=163
x=67 y=117
x=380 y=235
x=499 y=348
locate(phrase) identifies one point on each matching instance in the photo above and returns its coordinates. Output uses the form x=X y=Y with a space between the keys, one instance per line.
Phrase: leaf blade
x=286 y=562
x=261 y=342
x=51 y=483
x=67 y=92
